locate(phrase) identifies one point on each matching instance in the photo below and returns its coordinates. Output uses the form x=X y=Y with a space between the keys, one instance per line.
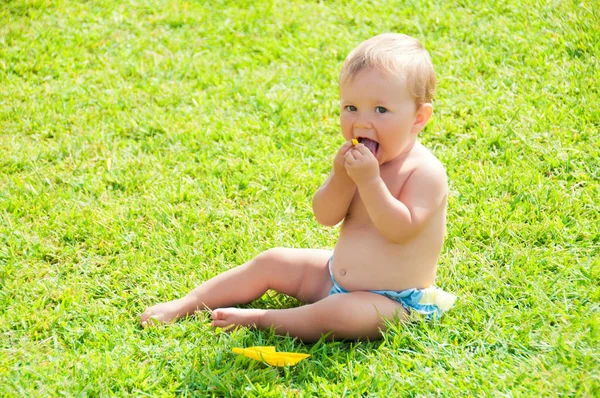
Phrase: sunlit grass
x=148 y=145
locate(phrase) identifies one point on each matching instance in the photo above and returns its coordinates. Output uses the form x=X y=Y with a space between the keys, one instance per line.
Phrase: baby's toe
x=219 y=319
x=217 y=323
x=146 y=318
x=217 y=315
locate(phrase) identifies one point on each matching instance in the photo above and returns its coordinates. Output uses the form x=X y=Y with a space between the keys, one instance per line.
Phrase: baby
x=389 y=191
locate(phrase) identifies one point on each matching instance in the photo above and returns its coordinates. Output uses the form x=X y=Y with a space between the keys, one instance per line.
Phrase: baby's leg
x=301 y=273
x=347 y=316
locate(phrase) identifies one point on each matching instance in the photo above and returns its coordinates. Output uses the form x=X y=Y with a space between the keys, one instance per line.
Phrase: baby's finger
x=344 y=148
x=348 y=165
x=362 y=149
x=350 y=156
x=357 y=153
x=347 y=146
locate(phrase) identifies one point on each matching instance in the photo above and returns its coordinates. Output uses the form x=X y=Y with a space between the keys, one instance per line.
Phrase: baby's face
x=378 y=108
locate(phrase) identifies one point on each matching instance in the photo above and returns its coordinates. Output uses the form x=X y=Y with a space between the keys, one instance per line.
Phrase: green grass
x=148 y=145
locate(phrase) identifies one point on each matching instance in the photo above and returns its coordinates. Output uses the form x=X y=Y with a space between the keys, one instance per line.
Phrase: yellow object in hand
x=270 y=356
x=354 y=141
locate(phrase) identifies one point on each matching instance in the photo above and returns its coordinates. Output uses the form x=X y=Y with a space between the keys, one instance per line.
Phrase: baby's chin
x=382 y=161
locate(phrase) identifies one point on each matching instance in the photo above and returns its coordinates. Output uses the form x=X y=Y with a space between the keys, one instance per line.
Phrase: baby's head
x=395 y=55
x=386 y=89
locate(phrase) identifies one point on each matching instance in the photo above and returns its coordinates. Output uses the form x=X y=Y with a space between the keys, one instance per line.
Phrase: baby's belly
x=364 y=260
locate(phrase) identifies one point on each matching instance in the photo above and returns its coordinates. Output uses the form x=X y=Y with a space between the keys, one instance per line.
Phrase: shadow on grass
x=228 y=374
x=210 y=368
x=331 y=364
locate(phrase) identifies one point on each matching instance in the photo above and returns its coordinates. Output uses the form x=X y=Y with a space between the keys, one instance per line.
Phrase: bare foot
x=228 y=318
x=165 y=312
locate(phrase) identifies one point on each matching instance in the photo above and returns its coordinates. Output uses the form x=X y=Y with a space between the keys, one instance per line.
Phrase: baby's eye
x=380 y=109
x=351 y=108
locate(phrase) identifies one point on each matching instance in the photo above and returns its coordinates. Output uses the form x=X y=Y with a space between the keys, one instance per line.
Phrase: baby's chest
x=394 y=181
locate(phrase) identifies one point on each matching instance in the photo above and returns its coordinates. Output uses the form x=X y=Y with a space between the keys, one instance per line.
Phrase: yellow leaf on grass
x=271 y=356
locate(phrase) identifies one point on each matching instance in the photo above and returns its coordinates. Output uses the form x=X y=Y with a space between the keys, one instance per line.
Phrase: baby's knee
x=271 y=256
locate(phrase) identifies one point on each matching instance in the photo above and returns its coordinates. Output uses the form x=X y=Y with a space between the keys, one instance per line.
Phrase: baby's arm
x=401 y=219
x=331 y=201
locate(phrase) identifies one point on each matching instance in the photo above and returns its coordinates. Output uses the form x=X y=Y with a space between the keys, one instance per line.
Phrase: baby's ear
x=422 y=116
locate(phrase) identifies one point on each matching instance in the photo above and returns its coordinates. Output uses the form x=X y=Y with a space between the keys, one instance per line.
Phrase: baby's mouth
x=369 y=143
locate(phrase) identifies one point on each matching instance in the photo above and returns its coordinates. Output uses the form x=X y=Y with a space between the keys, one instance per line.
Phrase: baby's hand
x=361 y=165
x=340 y=159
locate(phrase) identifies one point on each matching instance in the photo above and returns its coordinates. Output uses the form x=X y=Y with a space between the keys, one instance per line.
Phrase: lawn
x=148 y=145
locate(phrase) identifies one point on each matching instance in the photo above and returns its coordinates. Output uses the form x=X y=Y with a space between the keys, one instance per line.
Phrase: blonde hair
x=396 y=55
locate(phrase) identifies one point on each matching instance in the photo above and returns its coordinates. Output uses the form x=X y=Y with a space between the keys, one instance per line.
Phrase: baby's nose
x=362 y=124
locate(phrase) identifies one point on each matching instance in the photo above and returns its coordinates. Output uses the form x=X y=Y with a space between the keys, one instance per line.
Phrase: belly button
x=342 y=272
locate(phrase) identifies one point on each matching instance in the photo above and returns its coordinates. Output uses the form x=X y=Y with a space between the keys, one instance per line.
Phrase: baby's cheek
x=346 y=131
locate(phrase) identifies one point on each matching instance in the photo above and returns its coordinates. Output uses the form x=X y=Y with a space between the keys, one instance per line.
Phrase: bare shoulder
x=427 y=164
x=428 y=176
